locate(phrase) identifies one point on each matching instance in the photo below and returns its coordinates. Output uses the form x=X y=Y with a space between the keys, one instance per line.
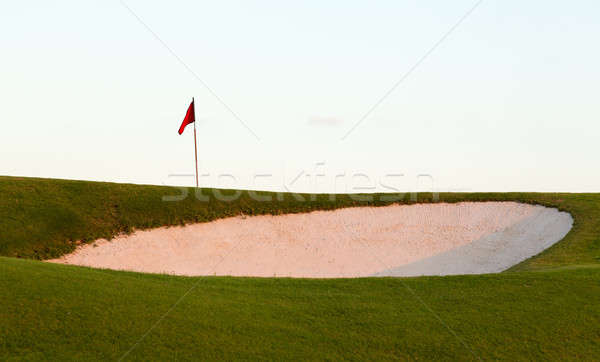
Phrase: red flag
x=190 y=117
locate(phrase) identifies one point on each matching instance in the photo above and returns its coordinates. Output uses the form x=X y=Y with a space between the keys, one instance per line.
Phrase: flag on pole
x=190 y=117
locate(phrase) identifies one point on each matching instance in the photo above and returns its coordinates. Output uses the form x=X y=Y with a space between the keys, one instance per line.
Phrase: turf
x=65 y=312
x=547 y=307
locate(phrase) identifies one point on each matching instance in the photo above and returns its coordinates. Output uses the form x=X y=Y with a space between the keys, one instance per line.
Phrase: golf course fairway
x=545 y=307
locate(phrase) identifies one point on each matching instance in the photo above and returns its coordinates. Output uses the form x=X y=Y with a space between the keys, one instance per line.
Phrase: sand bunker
x=397 y=240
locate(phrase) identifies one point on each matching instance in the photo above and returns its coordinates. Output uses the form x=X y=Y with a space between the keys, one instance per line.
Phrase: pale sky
x=507 y=101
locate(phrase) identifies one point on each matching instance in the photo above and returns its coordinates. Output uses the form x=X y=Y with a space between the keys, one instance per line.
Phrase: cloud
x=324 y=121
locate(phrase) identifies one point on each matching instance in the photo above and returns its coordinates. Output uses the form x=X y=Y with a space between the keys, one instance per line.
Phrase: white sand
x=424 y=239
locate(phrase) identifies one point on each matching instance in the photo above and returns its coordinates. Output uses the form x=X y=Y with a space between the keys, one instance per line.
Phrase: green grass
x=65 y=312
x=547 y=307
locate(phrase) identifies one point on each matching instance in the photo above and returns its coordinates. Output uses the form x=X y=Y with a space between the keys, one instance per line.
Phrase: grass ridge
x=45 y=218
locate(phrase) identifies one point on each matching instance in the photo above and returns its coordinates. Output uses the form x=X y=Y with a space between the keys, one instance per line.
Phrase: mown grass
x=545 y=308
x=65 y=312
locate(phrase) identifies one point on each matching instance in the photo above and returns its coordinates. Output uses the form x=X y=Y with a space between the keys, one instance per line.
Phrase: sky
x=306 y=96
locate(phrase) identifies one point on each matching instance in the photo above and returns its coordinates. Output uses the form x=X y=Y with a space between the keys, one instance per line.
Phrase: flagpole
x=195 y=144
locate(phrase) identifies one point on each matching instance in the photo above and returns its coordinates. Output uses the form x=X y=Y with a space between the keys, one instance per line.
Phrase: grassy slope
x=57 y=311
x=41 y=218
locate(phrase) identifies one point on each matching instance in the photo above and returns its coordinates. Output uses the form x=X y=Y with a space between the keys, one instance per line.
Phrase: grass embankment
x=44 y=218
x=64 y=312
